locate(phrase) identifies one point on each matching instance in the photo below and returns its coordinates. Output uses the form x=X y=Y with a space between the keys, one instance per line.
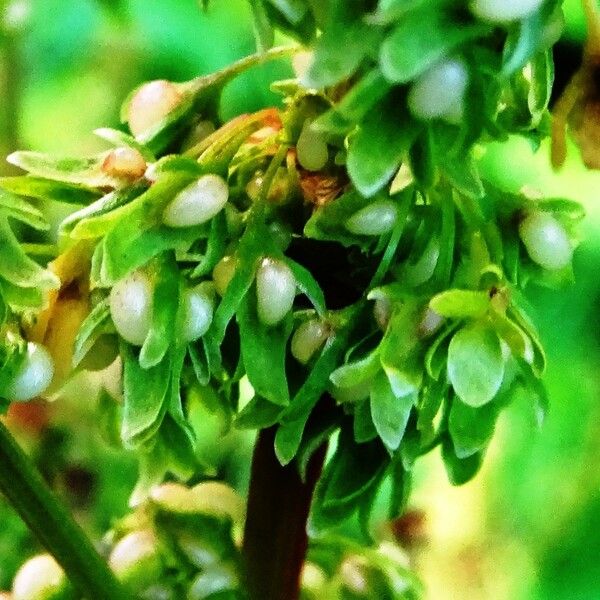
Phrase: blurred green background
x=529 y=526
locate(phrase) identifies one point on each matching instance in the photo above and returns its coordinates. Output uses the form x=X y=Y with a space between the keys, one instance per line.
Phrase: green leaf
x=215 y=246
x=263 y=351
x=352 y=473
x=522 y=43
x=421 y=39
x=97 y=323
x=47 y=189
x=21 y=210
x=293 y=419
x=542 y=80
x=379 y=144
x=364 y=429
x=17 y=268
x=400 y=489
x=258 y=414
x=21 y=297
x=100 y=207
x=328 y=222
x=357 y=372
x=390 y=413
x=464 y=175
x=355 y=104
x=345 y=41
x=199 y=360
x=475 y=364
x=165 y=303
x=435 y=357
x=308 y=285
x=460 y=304
x=145 y=398
x=471 y=428
x=263 y=31
x=83 y=171
x=460 y=470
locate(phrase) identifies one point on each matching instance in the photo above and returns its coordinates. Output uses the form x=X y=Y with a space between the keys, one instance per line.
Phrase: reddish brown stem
x=275 y=538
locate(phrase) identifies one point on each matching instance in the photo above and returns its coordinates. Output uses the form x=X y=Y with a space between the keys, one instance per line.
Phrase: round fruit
x=377 y=218
x=546 y=240
x=307 y=339
x=150 y=104
x=439 y=93
x=501 y=11
x=198 y=307
x=223 y=273
x=135 y=559
x=275 y=291
x=131 y=307
x=33 y=375
x=41 y=578
x=197 y=203
x=311 y=149
x=124 y=162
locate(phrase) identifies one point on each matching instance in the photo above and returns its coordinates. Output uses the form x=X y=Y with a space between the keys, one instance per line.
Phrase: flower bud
x=41 y=578
x=275 y=291
x=33 y=375
x=126 y=163
x=223 y=273
x=135 y=560
x=377 y=218
x=439 y=92
x=546 y=240
x=311 y=149
x=131 y=307
x=500 y=11
x=198 y=307
x=308 y=339
x=150 y=104
x=197 y=203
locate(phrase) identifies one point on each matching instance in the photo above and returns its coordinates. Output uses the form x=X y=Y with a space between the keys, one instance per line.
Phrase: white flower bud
x=150 y=104
x=223 y=273
x=308 y=338
x=125 y=162
x=131 y=307
x=197 y=203
x=198 y=308
x=33 y=376
x=311 y=149
x=439 y=92
x=275 y=291
x=500 y=11
x=41 y=578
x=546 y=240
x=377 y=218
x=135 y=559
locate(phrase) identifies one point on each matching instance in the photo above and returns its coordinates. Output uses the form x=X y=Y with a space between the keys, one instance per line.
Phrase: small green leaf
x=47 y=189
x=165 y=303
x=390 y=413
x=120 y=138
x=379 y=144
x=145 y=398
x=460 y=470
x=460 y=304
x=199 y=360
x=475 y=364
x=97 y=323
x=258 y=414
x=17 y=268
x=422 y=38
x=308 y=285
x=364 y=429
x=357 y=372
x=19 y=209
x=471 y=428
x=82 y=171
x=263 y=351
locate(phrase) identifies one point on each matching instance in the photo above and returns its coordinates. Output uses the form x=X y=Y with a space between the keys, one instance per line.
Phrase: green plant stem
x=52 y=524
x=275 y=537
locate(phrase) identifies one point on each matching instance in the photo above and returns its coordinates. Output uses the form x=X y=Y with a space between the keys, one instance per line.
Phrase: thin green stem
x=52 y=524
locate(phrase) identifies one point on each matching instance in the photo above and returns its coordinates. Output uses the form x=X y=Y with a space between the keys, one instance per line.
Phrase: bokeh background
x=529 y=526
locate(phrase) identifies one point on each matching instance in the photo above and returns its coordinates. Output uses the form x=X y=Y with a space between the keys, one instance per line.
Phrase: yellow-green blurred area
x=528 y=527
